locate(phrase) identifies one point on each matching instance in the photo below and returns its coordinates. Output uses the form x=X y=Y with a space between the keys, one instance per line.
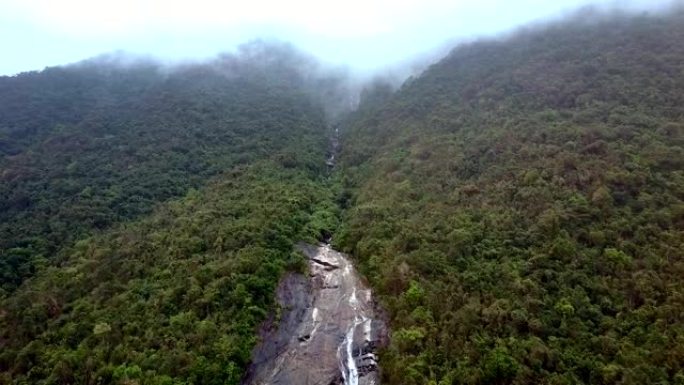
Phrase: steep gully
x=329 y=329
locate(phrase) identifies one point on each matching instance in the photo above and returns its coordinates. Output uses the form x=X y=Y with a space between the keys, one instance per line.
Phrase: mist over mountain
x=515 y=202
x=102 y=141
x=366 y=36
x=518 y=207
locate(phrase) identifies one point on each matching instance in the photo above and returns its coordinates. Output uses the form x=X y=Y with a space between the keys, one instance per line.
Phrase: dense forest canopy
x=152 y=213
x=102 y=142
x=518 y=208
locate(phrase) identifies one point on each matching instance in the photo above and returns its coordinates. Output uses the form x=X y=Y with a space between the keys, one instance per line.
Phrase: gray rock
x=329 y=330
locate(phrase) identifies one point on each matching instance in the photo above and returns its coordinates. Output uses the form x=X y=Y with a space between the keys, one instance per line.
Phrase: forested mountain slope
x=520 y=208
x=175 y=296
x=90 y=145
x=227 y=163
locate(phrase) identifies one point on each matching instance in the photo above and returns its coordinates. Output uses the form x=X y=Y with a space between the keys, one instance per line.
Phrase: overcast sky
x=364 y=34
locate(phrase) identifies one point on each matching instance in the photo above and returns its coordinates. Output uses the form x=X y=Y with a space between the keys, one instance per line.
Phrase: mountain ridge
x=518 y=208
x=503 y=204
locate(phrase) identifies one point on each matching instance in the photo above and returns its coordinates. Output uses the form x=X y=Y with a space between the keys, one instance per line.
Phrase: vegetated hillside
x=90 y=145
x=174 y=296
x=520 y=208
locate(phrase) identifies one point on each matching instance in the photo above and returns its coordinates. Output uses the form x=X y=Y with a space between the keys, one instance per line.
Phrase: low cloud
x=363 y=34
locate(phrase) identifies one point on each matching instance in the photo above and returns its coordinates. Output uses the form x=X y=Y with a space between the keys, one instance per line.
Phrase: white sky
x=365 y=34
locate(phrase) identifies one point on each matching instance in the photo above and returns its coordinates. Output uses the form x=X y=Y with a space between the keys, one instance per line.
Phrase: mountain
x=149 y=212
x=100 y=143
x=519 y=208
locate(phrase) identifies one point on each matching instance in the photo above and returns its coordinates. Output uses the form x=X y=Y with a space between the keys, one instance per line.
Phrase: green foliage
x=499 y=367
x=150 y=231
x=98 y=144
x=174 y=296
x=518 y=208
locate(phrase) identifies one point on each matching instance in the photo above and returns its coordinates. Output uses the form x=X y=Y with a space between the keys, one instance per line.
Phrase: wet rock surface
x=329 y=329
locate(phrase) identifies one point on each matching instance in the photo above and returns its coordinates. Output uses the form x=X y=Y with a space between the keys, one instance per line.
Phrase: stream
x=328 y=331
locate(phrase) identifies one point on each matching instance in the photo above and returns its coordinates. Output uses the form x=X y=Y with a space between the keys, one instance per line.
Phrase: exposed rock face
x=328 y=332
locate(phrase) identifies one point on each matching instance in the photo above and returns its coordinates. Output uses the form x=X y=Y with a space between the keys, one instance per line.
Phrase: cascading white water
x=334 y=339
x=302 y=349
x=350 y=371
